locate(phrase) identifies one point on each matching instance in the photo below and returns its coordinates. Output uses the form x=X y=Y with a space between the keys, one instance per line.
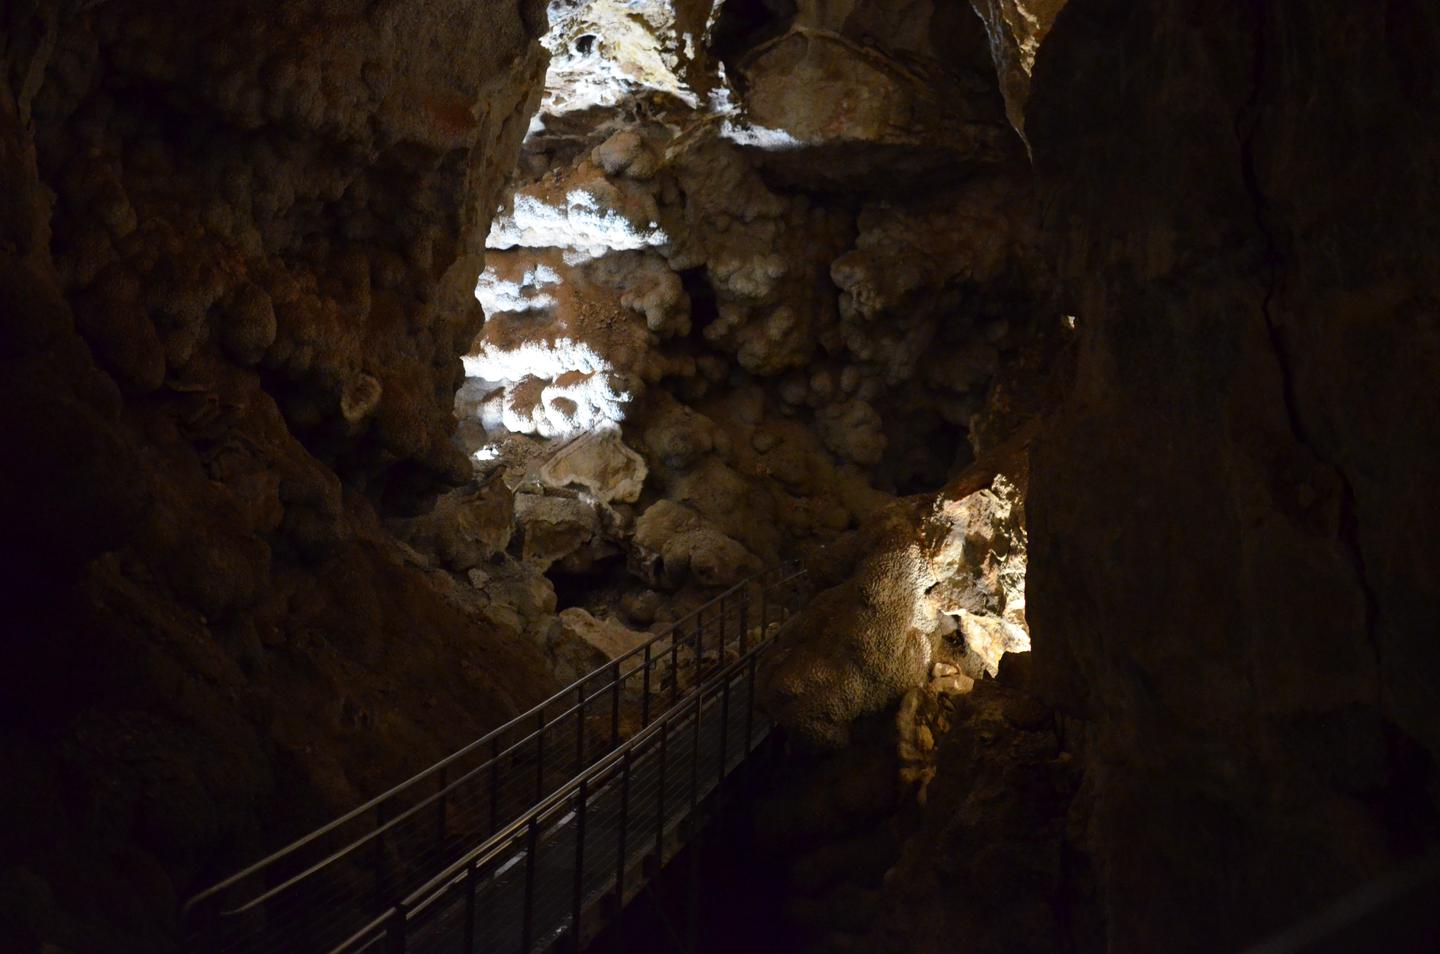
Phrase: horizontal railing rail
x=419 y=918
x=314 y=892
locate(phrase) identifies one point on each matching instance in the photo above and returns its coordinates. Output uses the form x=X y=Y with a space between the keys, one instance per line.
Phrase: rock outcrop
x=1016 y=29
x=237 y=249
x=722 y=276
x=367 y=377
x=935 y=598
x=1234 y=535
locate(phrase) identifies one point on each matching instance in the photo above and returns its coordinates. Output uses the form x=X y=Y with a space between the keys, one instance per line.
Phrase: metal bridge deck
x=654 y=825
x=515 y=840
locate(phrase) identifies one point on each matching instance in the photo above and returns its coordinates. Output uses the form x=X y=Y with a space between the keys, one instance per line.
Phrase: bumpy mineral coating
x=600 y=462
x=653 y=276
x=935 y=602
x=237 y=249
x=858 y=647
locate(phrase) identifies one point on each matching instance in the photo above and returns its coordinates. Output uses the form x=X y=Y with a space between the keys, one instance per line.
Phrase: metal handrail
x=433 y=797
x=614 y=676
x=501 y=843
x=595 y=768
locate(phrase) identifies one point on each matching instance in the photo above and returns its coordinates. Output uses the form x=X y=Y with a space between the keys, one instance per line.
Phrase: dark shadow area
x=738 y=889
x=744 y=25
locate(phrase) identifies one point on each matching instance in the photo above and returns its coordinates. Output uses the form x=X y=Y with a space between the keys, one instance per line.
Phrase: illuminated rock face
x=935 y=598
x=1232 y=578
x=648 y=180
x=743 y=286
x=241 y=272
x=1017 y=28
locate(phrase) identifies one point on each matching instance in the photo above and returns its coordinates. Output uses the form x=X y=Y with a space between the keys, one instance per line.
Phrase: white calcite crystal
x=599 y=462
x=586 y=221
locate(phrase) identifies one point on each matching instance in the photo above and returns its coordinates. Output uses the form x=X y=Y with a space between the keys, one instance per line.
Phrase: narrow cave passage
x=696 y=362
x=471 y=461
x=699 y=360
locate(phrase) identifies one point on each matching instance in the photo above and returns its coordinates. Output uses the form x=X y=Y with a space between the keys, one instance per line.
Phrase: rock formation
x=775 y=353
x=934 y=600
x=1232 y=517
x=237 y=250
x=370 y=369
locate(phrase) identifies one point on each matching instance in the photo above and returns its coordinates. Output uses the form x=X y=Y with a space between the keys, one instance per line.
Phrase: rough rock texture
x=934 y=597
x=1234 y=532
x=237 y=249
x=773 y=265
x=1016 y=29
x=860 y=644
x=945 y=821
x=602 y=464
x=778 y=307
x=579 y=643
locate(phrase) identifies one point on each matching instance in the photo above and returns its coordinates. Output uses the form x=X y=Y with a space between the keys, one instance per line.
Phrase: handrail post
x=532 y=844
x=675 y=665
x=645 y=691
x=578 y=898
x=540 y=757
x=382 y=815
x=470 y=887
x=699 y=643
x=495 y=785
x=694 y=828
x=660 y=799
x=745 y=620
x=750 y=708
x=749 y=724
x=724 y=728
x=615 y=705
x=764 y=604
x=720 y=639
x=695 y=756
x=620 y=845
x=580 y=724
x=440 y=806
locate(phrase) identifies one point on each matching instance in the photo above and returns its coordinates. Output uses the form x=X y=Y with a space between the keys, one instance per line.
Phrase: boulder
x=987 y=638
x=710 y=557
x=578 y=643
x=673 y=542
x=521 y=587
x=602 y=464
x=553 y=527
x=465 y=528
x=858 y=647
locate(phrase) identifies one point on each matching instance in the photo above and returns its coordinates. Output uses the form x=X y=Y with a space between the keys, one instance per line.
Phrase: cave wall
x=238 y=245
x=237 y=254
x=1233 y=517
x=760 y=301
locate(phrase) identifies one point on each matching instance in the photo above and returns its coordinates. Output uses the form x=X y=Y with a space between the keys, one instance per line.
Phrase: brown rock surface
x=239 y=253
x=237 y=248
x=1234 y=532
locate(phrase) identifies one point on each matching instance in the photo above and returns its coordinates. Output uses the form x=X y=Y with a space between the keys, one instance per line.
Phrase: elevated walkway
x=537 y=832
